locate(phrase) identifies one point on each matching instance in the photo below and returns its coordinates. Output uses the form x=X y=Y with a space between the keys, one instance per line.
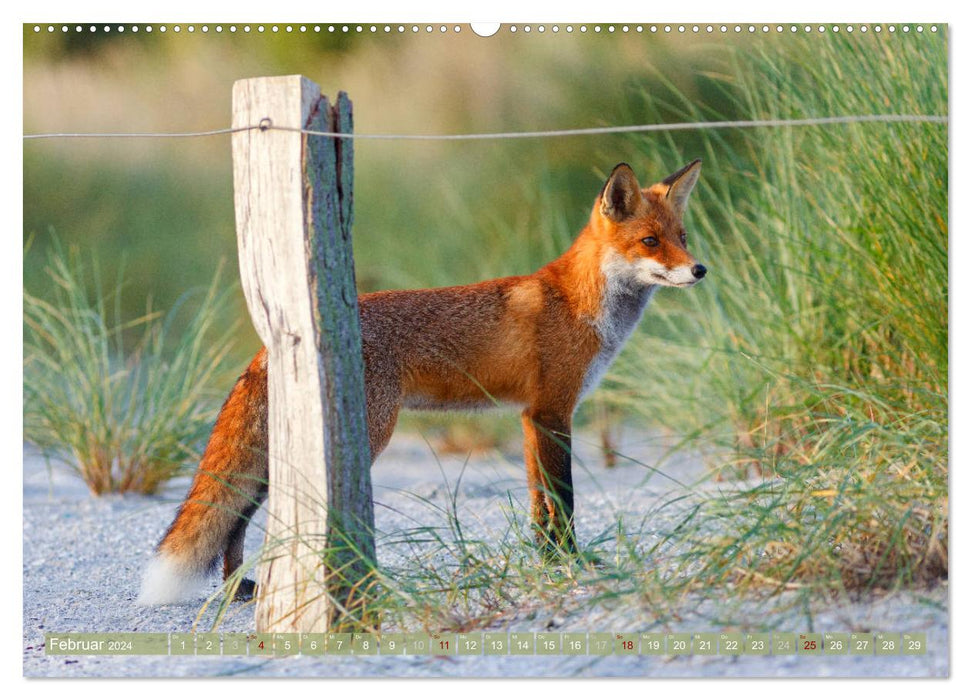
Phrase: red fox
x=538 y=342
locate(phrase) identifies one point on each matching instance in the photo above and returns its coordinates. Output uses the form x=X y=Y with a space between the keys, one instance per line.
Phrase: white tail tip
x=167 y=581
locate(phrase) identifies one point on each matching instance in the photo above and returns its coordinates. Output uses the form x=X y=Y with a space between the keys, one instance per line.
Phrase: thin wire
x=678 y=126
x=266 y=125
x=149 y=135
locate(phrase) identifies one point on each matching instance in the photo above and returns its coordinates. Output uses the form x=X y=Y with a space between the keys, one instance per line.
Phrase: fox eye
x=650 y=241
x=684 y=239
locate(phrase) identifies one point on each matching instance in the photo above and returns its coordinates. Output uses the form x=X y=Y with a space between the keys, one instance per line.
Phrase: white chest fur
x=623 y=305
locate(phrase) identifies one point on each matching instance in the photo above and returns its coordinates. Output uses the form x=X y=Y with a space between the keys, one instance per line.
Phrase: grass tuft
x=122 y=402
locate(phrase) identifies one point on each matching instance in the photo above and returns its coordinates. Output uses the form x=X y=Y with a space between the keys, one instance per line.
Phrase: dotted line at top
x=513 y=28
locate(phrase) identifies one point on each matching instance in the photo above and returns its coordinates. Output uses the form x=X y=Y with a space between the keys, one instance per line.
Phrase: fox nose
x=699 y=271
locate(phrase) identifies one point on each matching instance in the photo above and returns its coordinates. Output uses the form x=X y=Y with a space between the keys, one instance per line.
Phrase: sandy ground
x=83 y=558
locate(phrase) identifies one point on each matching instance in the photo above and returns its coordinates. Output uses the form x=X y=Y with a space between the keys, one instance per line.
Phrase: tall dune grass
x=817 y=348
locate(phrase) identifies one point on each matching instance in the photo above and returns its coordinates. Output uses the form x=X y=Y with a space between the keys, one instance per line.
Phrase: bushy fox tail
x=227 y=489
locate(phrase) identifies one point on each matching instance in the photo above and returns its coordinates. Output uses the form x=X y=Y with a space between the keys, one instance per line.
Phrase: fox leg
x=233 y=556
x=548 y=472
x=382 y=393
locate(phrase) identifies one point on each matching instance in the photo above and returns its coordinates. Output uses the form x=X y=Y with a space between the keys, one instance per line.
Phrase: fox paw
x=245 y=591
x=555 y=549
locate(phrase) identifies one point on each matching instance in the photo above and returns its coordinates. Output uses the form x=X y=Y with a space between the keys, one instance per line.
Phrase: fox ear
x=621 y=194
x=680 y=184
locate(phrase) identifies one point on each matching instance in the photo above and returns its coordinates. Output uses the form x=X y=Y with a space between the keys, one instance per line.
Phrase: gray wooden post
x=293 y=196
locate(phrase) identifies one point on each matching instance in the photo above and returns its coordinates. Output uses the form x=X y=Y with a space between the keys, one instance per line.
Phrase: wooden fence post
x=293 y=196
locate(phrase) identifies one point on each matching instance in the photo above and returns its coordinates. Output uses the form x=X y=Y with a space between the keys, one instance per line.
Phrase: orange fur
x=537 y=342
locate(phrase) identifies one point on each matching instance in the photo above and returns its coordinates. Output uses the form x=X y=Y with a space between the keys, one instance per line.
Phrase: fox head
x=645 y=239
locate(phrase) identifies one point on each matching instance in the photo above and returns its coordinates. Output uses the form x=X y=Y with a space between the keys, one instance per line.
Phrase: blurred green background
x=427 y=214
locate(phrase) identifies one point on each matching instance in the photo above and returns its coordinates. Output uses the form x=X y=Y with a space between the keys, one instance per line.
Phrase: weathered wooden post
x=293 y=195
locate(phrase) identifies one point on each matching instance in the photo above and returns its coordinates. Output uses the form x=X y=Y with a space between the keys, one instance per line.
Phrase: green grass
x=124 y=402
x=442 y=568
x=816 y=350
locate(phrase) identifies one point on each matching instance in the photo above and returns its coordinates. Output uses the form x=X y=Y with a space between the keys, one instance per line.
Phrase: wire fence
x=266 y=124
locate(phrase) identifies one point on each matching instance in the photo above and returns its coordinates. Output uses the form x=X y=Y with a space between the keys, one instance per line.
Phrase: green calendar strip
x=96 y=644
x=469 y=644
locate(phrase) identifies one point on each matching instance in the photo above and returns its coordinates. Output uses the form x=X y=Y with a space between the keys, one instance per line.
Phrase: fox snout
x=686 y=276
